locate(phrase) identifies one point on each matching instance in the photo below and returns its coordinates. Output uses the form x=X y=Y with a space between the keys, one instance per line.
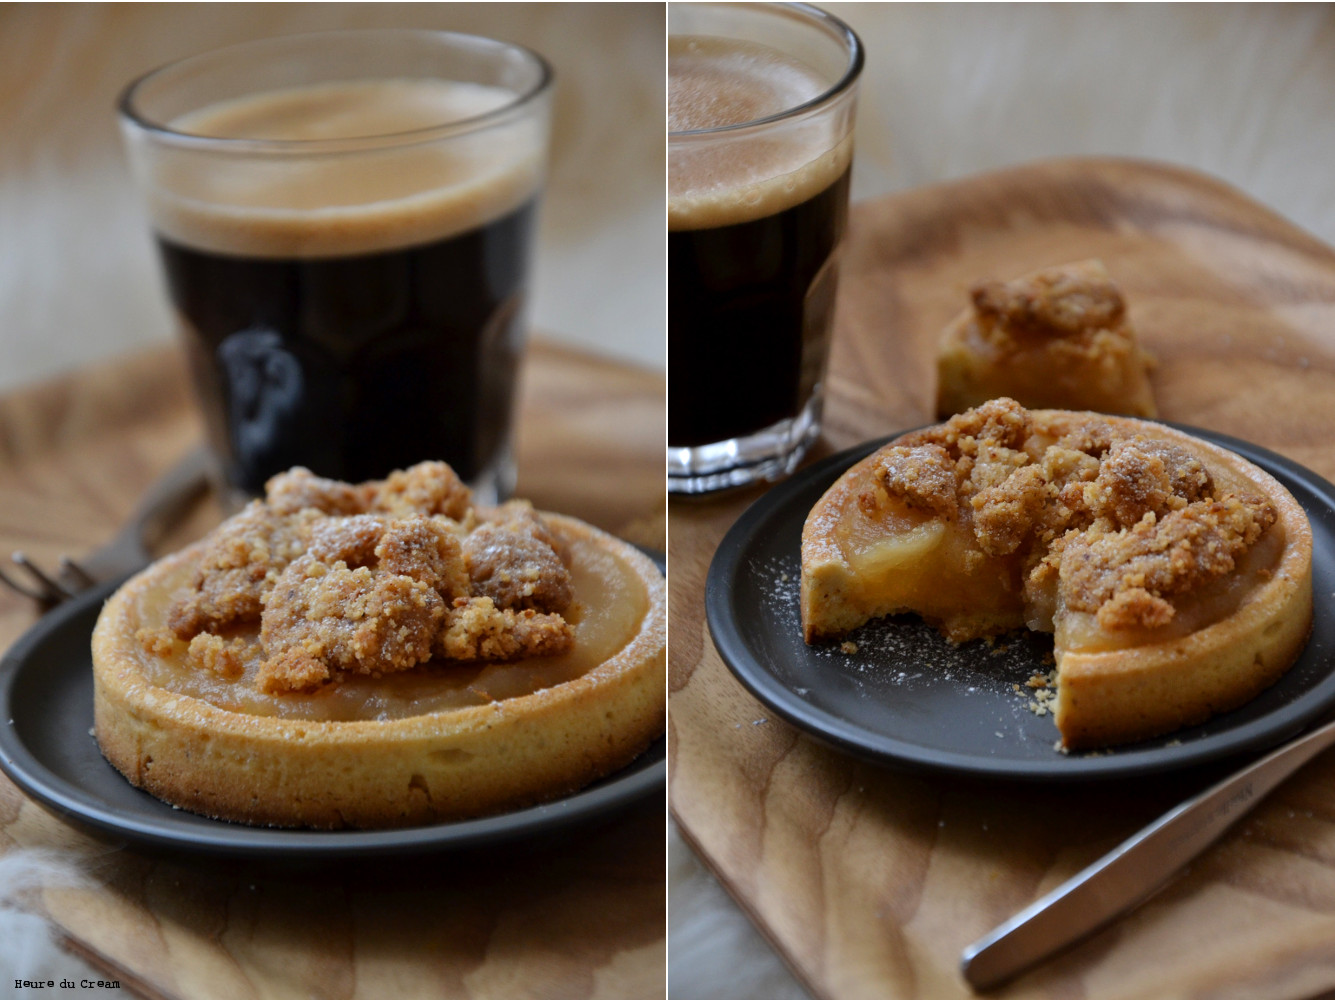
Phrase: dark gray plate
x=908 y=697
x=47 y=749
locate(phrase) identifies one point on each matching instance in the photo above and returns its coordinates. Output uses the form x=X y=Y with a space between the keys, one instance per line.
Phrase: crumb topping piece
x=1070 y=301
x=1123 y=523
x=299 y=489
x=370 y=579
x=244 y=557
x=476 y=629
x=426 y=488
x=922 y=477
x=224 y=657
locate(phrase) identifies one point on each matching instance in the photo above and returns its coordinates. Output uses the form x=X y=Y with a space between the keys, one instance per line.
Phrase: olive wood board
x=580 y=914
x=869 y=881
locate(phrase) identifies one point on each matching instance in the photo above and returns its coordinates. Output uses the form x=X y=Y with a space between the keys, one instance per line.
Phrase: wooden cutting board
x=870 y=882
x=581 y=916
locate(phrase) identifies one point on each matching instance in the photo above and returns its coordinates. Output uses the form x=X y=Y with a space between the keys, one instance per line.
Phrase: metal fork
x=130 y=549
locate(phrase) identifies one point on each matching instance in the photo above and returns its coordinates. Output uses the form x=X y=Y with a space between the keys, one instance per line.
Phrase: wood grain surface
x=868 y=881
x=575 y=917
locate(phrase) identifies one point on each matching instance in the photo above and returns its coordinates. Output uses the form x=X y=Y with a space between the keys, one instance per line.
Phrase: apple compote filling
x=383 y=600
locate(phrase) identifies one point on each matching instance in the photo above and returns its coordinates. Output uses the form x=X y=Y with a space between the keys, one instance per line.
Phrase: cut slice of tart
x=381 y=655
x=1057 y=338
x=1174 y=575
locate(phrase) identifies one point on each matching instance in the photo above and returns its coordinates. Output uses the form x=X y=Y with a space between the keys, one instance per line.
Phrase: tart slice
x=1058 y=338
x=381 y=655
x=1174 y=575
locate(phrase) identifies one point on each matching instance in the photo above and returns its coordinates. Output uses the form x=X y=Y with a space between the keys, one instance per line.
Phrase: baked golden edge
x=468 y=762
x=1126 y=695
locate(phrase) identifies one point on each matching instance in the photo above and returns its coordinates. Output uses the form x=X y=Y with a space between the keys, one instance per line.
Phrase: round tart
x=209 y=725
x=1174 y=575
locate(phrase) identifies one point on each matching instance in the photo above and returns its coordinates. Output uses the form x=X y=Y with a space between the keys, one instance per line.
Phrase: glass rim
x=131 y=114
x=852 y=71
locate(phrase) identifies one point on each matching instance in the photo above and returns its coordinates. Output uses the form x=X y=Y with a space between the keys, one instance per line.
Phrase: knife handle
x=1131 y=872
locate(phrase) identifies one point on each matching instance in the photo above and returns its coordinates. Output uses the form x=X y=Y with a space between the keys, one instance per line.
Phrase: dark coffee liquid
x=358 y=365
x=749 y=318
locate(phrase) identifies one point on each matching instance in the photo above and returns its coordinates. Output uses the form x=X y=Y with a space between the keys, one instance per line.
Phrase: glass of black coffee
x=345 y=220
x=761 y=99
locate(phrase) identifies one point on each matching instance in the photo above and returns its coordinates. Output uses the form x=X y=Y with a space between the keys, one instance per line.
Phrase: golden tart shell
x=446 y=765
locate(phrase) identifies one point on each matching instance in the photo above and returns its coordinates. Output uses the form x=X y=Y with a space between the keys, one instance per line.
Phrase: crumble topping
x=1120 y=523
x=370 y=579
x=1076 y=301
x=1124 y=574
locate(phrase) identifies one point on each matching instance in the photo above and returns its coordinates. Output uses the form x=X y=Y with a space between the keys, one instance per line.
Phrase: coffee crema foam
x=724 y=178
x=343 y=203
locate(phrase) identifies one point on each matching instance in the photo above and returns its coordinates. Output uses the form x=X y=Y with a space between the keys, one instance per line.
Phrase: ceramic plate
x=47 y=749
x=908 y=697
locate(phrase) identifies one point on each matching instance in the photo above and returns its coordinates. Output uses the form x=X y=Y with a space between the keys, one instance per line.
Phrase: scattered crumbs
x=1038 y=681
x=1015 y=688
x=1059 y=748
x=759 y=722
x=848 y=647
x=1042 y=701
x=801 y=692
x=783 y=577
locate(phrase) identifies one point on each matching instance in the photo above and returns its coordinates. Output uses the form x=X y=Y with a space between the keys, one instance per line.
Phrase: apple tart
x=1174 y=575
x=381 y=654
x=1058 y=338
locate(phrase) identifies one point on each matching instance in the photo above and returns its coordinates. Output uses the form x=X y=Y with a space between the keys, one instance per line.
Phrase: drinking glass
x=345 y=222
x=760 y=145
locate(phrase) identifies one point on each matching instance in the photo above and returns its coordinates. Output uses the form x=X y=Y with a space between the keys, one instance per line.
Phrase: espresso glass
x=760 y=144
x=345 y=222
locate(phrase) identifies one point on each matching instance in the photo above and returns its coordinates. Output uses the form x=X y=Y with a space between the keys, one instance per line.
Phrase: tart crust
x=445 y=765
x=1112 y=687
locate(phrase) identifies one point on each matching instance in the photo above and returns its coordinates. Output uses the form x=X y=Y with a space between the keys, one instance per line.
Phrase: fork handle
x=170 y=496
x=1132 y=871
x=160 y=507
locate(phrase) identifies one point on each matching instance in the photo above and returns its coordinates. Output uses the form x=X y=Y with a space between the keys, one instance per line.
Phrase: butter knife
x=1131 y=872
